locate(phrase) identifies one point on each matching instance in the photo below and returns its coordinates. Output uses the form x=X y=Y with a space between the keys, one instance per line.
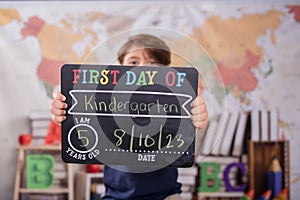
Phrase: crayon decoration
x=266 y=195
x=283 y=195
x=275 y=177
x=249 y=195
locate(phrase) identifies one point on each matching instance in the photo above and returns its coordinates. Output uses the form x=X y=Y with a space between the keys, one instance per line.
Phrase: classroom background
x=254 y=45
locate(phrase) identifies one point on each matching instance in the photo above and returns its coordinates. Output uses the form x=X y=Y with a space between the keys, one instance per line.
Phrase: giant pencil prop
x=275 y=177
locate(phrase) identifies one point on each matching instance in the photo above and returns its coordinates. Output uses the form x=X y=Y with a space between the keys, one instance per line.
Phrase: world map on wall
x=231 y=42
x=253 y=47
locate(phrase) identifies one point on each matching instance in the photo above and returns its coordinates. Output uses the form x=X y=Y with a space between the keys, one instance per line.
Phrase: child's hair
x=152 y=45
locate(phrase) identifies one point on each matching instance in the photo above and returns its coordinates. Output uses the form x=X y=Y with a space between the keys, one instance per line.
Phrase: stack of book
x=187 y=177
x=226 y=135
x=265 y=125
x=60 y=171
x=39 y=123
x=224 y=144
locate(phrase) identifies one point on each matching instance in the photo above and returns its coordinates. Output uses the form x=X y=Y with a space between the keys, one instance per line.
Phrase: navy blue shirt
x=155 y=185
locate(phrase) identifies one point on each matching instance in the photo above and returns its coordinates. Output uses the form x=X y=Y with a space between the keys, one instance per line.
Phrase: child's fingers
x=58 y=115
x=198 y=105
x=199 y=109
x=59 y=96
x=199 y=113
x=58 y=104
x=200 y=125
x=200 y=117
x=58 y=119
x=197 y=101
x=199 y=121
x=57 y=112
x=58 y=107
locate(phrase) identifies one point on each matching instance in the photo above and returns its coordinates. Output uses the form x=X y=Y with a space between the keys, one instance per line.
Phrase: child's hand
x=58 y=107
x=199 y=113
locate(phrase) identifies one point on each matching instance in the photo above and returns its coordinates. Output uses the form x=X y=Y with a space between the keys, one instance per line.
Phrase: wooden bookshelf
x=260 y=156
x=83 y=182
x=20 y=187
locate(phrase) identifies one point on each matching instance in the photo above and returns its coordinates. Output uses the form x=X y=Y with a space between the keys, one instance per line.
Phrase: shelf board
x=45 y=191
x=40 y=147
x=220 y=194
x=94 y=175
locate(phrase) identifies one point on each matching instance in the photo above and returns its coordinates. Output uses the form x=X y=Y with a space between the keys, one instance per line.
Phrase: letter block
x=229 y=186
x=39 y=171
x=209 y=181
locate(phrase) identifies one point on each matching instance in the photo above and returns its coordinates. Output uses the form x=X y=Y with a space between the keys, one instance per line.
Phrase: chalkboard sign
x=126 y=115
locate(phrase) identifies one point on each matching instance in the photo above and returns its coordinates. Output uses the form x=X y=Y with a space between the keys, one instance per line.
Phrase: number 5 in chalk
x=83 y=138
x=80 y=134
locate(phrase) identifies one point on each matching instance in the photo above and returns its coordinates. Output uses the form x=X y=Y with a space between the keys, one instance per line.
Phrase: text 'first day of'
x=145 y=77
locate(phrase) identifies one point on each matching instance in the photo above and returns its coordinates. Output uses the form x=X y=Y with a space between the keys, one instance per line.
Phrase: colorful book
x=229 y=134
x=274 y=128
x=264 y=125
x=199 y=142
x=255 y=125
x=240 y=135
x=209 y=137
x=219 y=136
x=222 y=160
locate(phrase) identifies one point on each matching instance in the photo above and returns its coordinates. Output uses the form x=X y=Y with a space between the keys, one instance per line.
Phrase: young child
x=161 y=184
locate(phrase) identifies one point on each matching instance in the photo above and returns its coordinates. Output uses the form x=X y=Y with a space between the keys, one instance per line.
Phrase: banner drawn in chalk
x=78 y=109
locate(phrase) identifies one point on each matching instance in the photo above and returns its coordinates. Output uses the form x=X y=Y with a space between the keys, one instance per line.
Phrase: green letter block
x=39 y=171
x=209 y=181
